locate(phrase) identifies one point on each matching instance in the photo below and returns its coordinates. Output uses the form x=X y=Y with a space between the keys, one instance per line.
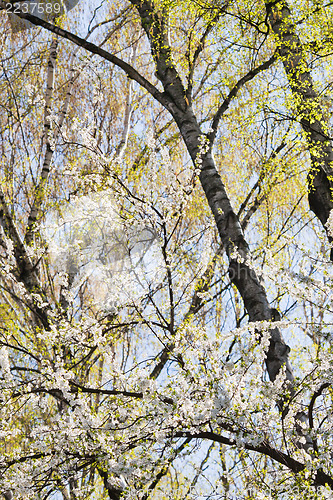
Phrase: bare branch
x=233 y=92
x=321 y=478
x=94 y=49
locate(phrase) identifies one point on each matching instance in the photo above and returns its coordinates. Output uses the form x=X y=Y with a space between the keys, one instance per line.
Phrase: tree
x=142 y=343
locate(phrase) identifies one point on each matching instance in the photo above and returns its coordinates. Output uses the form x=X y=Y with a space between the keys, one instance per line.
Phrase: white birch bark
x=49 y=148
x=128 y=110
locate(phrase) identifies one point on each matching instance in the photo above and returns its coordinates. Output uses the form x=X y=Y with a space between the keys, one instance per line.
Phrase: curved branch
x=313 y=400
x=320 y=479
x=233 y=92
x=94 y=49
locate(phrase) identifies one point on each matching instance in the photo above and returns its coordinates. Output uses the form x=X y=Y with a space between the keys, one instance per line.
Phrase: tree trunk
x=232 y=237
x=309 y=110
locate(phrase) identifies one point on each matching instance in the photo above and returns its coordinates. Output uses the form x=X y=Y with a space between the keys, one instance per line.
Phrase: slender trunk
x=120 y=151
x=40 y=187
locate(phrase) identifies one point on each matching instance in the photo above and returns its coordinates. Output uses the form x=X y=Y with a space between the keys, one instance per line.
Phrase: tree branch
x=320 y=479
x=198 y=51
x=94 y=49
x=233 y=92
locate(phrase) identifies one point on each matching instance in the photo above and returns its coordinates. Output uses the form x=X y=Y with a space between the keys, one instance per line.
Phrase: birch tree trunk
x=309 y=110
x=230 y=231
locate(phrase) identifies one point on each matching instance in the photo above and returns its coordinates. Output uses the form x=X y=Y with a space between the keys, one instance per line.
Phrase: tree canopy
x=166 y=250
